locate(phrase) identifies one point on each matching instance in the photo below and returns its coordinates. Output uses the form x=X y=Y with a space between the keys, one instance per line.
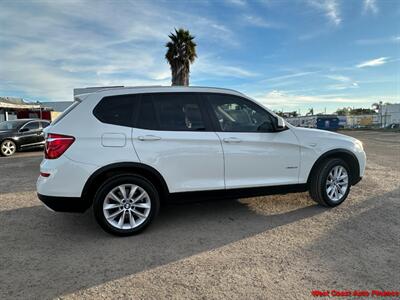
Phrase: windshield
x=11 y=125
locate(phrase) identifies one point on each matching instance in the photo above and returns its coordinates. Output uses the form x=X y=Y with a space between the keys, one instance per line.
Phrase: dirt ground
x=266 y=248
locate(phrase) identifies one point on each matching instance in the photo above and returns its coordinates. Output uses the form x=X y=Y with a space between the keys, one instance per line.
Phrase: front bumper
x=64 y=204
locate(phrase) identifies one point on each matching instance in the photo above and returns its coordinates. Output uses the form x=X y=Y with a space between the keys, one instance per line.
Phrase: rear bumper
x=64 y=204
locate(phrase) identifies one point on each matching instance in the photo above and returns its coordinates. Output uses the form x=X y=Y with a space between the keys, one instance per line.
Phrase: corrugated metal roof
x=19 y=103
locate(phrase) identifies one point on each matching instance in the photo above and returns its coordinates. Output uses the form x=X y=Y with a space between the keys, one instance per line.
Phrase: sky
x=288 y=54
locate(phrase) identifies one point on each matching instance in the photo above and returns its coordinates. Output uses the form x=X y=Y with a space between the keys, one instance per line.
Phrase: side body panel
x=188 y=161
x=260 y=159
x=314 y=143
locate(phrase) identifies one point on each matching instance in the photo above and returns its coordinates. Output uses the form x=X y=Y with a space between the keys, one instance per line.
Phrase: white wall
x=390 y=113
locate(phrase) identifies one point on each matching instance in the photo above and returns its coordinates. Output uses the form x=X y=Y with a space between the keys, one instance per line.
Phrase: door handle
x=149 y=138
x=232 y=140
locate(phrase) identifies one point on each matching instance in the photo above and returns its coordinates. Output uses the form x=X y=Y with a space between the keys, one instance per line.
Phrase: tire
x=110 y=209
x=328 y=190
x=8 y=148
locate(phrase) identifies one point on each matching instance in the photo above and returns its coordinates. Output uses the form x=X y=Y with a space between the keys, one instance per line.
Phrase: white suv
x=126 y=150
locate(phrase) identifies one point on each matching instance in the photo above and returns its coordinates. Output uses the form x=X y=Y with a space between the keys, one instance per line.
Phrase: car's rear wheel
x=8 y=148
x=126 y=204
x=330 y=183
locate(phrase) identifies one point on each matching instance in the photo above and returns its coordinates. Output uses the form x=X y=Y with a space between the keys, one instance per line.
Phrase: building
x=16 y=108
x=361 y=121
x=326 y=122
x=57 y=107
x=389 y=114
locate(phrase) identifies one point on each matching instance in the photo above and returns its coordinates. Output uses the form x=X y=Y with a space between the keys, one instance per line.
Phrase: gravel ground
x=265 y=247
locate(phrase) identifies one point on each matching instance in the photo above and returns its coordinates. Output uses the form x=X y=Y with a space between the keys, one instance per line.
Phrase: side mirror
x=24 y=129
x=280 y=124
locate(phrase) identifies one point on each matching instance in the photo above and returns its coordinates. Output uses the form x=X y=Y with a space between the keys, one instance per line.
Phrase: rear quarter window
x=117 y=110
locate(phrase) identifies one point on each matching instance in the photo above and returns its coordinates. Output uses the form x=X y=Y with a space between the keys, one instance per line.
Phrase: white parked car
x=126 y=150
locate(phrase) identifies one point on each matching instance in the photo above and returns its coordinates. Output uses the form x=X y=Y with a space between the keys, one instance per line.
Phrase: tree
x=354 y=111
x=343 y=111
x=180 y=54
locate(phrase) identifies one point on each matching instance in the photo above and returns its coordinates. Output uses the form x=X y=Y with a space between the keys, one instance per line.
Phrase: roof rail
x=94 y=89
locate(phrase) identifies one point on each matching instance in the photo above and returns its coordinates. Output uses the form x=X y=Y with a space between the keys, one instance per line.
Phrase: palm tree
x=180 y=54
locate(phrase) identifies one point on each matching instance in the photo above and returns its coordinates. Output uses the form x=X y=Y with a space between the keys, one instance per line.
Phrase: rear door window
x=172 y=112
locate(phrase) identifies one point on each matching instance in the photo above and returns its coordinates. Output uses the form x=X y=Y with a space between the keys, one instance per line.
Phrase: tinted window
x=236 y=114
x=147 y=114
x=116 y=110
x=45 y=124
x=171 y=111
x=32 y=126
x=11 y=125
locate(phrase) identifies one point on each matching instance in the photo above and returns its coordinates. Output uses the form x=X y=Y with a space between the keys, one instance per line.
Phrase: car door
x=30 y=134
x=173 y=135
x=254 y=153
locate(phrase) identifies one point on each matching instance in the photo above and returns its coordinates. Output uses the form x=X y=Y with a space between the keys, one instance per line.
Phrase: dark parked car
x=21 y=134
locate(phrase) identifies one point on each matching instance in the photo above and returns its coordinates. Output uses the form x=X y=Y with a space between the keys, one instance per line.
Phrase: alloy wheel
x=8 y=148
x=126 y=206
x=337 y=183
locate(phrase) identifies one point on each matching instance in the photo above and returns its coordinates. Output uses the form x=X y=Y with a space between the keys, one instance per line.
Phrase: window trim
x=198 y=100
x=214 y=119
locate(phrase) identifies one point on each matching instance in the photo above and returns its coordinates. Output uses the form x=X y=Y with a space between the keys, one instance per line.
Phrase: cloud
x=344 y=82
x=292 y=75
x=373 y=63
x=376 y=41
x=236 y=2
x=329 y=7
x=65 y=47
x=340 y=78
x=208 y=65
x=259 y=22
x=370 y=6
x=278 y=99
x=344 y=86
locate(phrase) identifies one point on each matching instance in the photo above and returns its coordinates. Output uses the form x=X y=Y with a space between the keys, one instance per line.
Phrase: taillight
x=57 y=144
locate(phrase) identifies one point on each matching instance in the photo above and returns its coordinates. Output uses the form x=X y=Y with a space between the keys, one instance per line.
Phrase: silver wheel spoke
x=329 y=189
x=140 y=197
x=111 y=206
x=139 y=214
x=123 y=191
x=114 y=197
x=121 y=220
x=132 y=192
x=131 y=220
x=142 y=205
x=112 y=216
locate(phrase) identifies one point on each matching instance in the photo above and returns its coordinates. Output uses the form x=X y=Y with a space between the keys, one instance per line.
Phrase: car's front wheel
x=7 y=148
x=124 y=205
x=330 y=183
